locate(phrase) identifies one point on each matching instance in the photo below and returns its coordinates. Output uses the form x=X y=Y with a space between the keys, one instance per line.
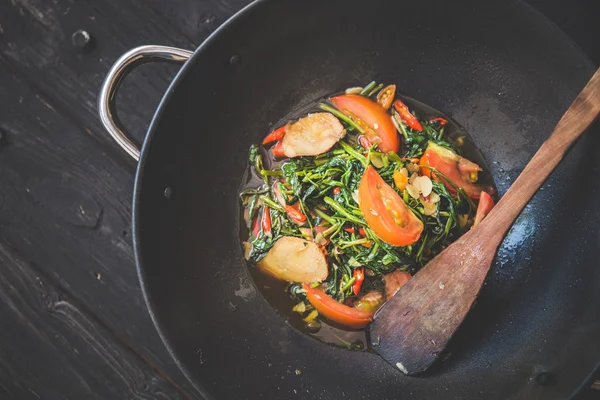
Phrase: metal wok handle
x=123 y=66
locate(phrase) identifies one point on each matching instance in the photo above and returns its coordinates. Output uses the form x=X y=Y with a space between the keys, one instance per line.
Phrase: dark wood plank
x=56 y=179
x=36 y=42
x=75 y=357
x=66 y=204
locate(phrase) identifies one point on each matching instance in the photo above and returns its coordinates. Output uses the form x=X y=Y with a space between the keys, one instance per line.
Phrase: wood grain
x=39 y=318
x=65 y=188
x=66 y=204
x=413 y=328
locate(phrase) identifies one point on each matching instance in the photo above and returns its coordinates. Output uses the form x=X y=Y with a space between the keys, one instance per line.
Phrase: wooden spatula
x=413 y=327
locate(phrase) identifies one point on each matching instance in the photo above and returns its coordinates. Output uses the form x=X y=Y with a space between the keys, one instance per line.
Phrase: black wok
x=501 y=70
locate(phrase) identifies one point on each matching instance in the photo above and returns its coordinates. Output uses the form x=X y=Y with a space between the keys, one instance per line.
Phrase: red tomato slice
x=455 y=167
x=336 y=311
x=375 y=116
x=385 y=212
x=486 y=203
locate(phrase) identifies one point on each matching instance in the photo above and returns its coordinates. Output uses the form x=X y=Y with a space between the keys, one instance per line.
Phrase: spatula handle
x=573 y=123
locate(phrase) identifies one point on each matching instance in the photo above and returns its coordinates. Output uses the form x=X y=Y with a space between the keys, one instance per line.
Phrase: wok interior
x=507 y=87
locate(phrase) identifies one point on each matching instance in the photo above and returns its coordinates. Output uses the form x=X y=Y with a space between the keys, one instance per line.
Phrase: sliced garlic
x=429 y=207
x=414 y=192
x=354 y=90
x=423 y=184
x=404 y=171
x=434 y=197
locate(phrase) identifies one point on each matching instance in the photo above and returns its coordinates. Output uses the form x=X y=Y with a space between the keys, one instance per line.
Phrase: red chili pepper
x=295 y=214
x=350 y=229
x=359 y=274
x=266 y=222
x=276 y=135
x=361 y=232
x=277 y=150
x=441 y=121
x=336 y=190
x=407 y=116
x=255 y=227
x=364 y=142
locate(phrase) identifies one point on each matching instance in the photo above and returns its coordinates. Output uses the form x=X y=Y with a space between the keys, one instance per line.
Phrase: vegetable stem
x=368 y=88
x=341 y=210
x=325 y=216
x=375 y=90
x=363 y=160
x=348 y=284
x=270 y=203
x=341 y=116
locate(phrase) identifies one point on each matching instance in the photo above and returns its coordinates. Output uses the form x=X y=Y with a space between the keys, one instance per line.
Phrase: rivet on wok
x=544 y=378
x=81 y=39
x=168 y=192
x=234 y=60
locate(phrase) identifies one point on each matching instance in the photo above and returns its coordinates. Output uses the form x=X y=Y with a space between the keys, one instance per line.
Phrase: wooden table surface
x=73 y=321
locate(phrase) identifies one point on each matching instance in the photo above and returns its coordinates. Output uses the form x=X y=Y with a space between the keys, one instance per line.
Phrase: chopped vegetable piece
x=447 y=162
x=386 y=213
x=255 y=226
x=371 y=301
x=300 y=308
x=359 y=274
x=401 y=180
x=337 y=312
x=394 y=281
x=277 y=150
x=439 y=120
x=276 y=135
x=365 y=143
x=312 y=135
x=486 y=203
x=382 y=130
x=295 y=214
x=295 y=260
x=266 y=221
x=386 y=96
x=311 y=316
x=407 y=116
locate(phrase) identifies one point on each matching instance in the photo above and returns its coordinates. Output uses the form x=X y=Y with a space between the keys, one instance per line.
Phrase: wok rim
x=152 y=128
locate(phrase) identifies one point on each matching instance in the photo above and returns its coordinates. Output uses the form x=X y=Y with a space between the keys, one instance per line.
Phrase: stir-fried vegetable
x=347 y=218
x=374 y=120
x=459 y=171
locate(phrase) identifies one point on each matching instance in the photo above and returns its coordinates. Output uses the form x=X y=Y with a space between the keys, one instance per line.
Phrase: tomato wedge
x=458 y=169
x=385 y=212
x=383 y=132
x=336 y=311
x=486 y=203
